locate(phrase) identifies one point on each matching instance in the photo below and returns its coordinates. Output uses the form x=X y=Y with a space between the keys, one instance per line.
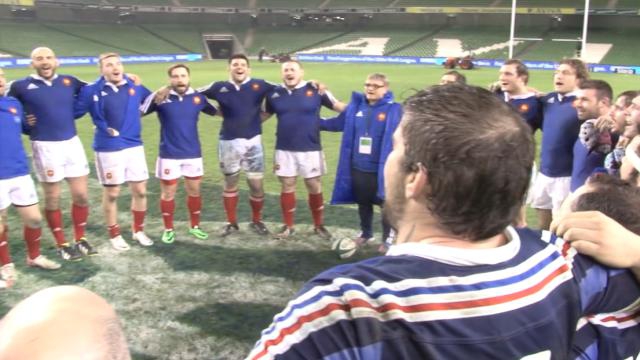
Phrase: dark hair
x=582 y=73
x=629 y=95
x=239 y=56
x=478 y=155
x=602 y=88
x=616 y=198
x=460 y=78
x=521 y=68
x=178 y=66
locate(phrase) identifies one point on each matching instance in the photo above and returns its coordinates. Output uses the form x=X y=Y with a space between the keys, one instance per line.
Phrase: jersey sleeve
x=149 y=105
x=208 y=91
x=207 y=108
x=268 y=106
x=328 y=100
x=14 y=90
x=144 y=93
x=335 y=124
x=83 y=102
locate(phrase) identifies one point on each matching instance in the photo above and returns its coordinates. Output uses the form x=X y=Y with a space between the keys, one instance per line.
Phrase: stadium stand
x=280 y=40
x=279 y=4
x=141 y=2
x=357 y=3
x=240 y=4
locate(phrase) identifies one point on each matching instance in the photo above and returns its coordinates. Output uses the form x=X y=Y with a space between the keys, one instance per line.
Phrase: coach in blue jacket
x=367 y=124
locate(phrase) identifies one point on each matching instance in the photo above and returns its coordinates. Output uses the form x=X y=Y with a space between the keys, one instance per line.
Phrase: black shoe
x=85 y=248
x=259 y=228
x=322 y=231
x=229 y=228
x=69 y=253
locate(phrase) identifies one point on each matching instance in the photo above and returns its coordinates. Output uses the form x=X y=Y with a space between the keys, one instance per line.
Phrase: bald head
x=44 y=62
x=63 y=322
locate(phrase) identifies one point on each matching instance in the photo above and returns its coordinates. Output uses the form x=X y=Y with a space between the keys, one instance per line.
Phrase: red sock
x=79 y=215
x=256 y=208
x=54 y=219
x=194 y=203
x=138 y=220
x=32 y=238
x=288 y=205
x=167 y=208
x=114 y=230
x=230 y=200
x=5 y=258
x=316 y=204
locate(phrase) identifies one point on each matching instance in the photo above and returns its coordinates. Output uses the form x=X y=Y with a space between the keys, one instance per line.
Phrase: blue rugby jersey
x=560 y=128
x=298 y=113
x=240 y=106
x=425 y=301
x=528 y=106
x=52 y=104
x=608 y=336
x=114 y=107
x=179 y=117
x=13 y=159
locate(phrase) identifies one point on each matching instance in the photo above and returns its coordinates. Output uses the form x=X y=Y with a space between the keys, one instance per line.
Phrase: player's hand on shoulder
x=31 y=119
x=161 y=95
x=113 y=132
x=599 y=236
x=604 y=123
x=135 y=78
x=322 y=88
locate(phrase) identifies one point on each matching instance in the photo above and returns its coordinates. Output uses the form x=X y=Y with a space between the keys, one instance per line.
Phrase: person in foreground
x=39 y=327
x=459 y=279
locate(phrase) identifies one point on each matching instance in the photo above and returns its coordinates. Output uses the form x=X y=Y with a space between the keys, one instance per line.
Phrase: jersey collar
x=114 y=87
x=48 y=82
x=458 y=256
x=301 y=84
x=238 y=86
x=526 y=95
x=188 y=92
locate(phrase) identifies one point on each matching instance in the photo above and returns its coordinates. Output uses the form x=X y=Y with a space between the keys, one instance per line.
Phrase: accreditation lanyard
x=365 y=143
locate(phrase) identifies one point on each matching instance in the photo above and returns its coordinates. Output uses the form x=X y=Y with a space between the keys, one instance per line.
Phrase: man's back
x=423 y=301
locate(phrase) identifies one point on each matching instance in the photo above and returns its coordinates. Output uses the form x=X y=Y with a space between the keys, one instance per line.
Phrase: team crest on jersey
x=255 y=87
x=196 y=100
x=132 y=91
x=66 y=82
x=523 y=108
x=309 y=93
x=13 y=110
x=382 y=116
x=167 y=171
x=50 y=173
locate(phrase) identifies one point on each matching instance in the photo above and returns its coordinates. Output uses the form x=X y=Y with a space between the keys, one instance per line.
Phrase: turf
x=210 y=299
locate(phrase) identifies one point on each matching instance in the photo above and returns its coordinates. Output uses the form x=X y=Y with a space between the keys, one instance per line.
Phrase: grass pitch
x=210 y=299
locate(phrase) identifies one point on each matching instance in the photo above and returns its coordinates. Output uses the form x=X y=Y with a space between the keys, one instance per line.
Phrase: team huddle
x=450 y=168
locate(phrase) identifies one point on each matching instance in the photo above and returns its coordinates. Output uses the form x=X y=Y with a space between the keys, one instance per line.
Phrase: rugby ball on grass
x=345 y=247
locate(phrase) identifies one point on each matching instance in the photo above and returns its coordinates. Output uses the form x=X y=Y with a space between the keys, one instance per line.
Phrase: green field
x=210 y=299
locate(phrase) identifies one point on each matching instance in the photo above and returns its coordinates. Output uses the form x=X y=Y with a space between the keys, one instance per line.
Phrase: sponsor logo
x=382 y=116
x=32 y=86
x=359 y=113
x=102 y=93
x=224 y=90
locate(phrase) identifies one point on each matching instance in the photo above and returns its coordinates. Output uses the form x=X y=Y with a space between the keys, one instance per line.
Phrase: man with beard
x=459 y=280
x=113 y=102
x=48 y=100
x=240 y=147
x=617 y=123
x=180 y=154
x=593 y=101
x=297 y=104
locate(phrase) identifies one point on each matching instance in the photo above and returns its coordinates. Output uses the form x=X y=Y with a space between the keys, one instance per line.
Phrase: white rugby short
x=57 y=160
x=308 y=164
x=549 y=192
x=171 y=169
x=118 y=167
x=19 y=191
x=242 y=154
